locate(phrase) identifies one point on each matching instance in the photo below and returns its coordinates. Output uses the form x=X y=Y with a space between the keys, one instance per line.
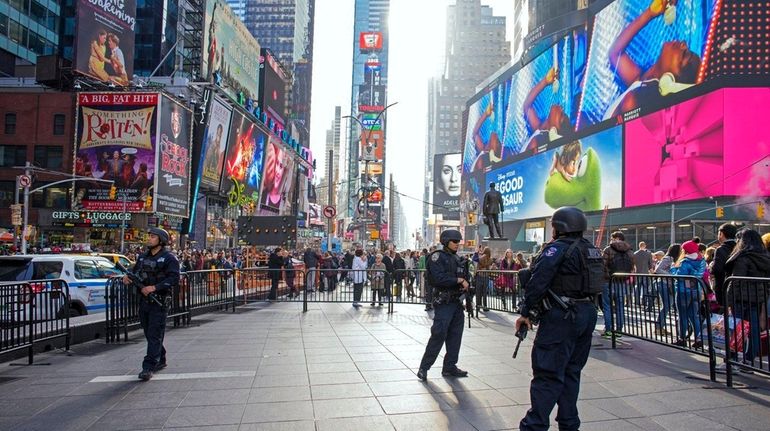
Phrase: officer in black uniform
x=563 y=339
x=446 y=274
x=158 y=270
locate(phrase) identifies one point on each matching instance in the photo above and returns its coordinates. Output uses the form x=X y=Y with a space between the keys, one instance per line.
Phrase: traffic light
x=761 y=210
x=113 y=192
x=720 y=212
x=471 y=218
x=148 y=204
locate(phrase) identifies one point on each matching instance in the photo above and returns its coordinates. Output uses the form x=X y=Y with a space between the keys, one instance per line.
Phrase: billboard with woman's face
x=447 y=172
x=273 y=186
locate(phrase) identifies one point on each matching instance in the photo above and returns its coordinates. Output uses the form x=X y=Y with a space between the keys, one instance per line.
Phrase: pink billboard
x=713 y=145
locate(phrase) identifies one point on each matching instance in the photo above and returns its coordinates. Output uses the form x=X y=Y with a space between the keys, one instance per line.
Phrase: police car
x=86 y=276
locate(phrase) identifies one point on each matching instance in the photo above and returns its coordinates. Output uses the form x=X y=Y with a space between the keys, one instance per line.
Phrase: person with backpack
x=568 y=273
x=688 y=293
x=618 y=258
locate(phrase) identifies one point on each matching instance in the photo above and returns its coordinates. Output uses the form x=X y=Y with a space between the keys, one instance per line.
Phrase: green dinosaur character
x=584 y=190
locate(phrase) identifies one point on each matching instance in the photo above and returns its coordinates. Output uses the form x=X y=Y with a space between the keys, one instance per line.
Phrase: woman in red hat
x=688 y=294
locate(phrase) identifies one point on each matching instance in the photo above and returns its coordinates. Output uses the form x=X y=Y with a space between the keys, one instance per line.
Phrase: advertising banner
x=243 y=164
x=370 y=41
x=372 y=121
x=277 y=178
x=214 y=143
x=700 y=148
x=272 y=82
x=116 y=139
x=371 y=98
x=447 y=171
x=373 y=145
x=372 y=71
x=585 y=173
x=231 y=56
x=104 y=40
x=641 y=52
x=172 y=183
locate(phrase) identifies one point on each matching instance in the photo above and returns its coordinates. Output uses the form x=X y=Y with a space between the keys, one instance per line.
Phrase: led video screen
x=709 y=146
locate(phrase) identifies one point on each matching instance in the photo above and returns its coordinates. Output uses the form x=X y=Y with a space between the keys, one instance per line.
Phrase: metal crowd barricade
x=670 y=310
x=745 y=325
x=32 y=312
x=215 y=288
x=497 y=290
x=256 y=284
x=122 y=307
x=407 y=286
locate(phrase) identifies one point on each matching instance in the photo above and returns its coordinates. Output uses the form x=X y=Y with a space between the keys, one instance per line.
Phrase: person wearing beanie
x=688 y=294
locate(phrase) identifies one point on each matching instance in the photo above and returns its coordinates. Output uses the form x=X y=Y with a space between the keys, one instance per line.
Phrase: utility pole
x=26 y=211
x=123 y=224
x=330 y=197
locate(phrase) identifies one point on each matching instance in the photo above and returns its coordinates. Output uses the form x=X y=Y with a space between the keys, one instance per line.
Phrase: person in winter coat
x=288 y=266
x=749 y=258
x=378 y=279
x=688 y=293
x=664 y=286
x=483 y=276
x=330 y=266
x=274 y=264
x=399 y=267
x=618 y=257
x=359 y=276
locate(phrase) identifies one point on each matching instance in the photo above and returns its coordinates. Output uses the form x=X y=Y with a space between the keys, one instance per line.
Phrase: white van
x=86 y=276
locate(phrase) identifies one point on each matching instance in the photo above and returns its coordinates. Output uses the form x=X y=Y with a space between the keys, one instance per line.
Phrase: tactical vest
x=584 y=279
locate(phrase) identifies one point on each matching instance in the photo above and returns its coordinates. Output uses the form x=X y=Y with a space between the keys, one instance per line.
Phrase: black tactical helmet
x=161 y=233
x=450 y=235
x=569 y=220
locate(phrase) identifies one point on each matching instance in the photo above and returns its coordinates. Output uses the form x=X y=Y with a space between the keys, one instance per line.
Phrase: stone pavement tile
x=693 y=421
x=279 y=394
x=442 y=420
x=613 y=425
x=346 y=408
x=9 y=422
x=206 y=415
x=204 y=428
x=119 y=420
x=412 y=404
x=380 y=365
x=682 y=401
x=494 y=418
x=184 y=385
x=367 y=349
x=24 y=406
x=279 y=426
x=279 y=370
x=369 y=423
x=38 y=391
x=388 y=375
x=521 y=395
x=105 y=388
x=593 y=410
x=616 y=407
x=320 y=351
x=437 y=383
x=327 y=359
x=332 y=367
x=216 y=397
x=150 y=400
x=746 y=418
x=336 y=378
x=516 y=380
x=475 y=399
x=70 y=413
x=278 y=412
x=276 y=381
x=349 y=390
x=413 y=387
x=590 y=391
x=282 y=360
x=223 y=383
x=646 y=424
x=372 y=356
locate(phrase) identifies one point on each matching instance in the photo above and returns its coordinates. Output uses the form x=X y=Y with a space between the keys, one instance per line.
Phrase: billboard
x=700 y=148
x=272 y=83
x=372 y=121
x=585 y=173
x=536 y=105
x=642 y=52
x=172 y=182
x=104 y=40
x=231 y=56
x=370 y=41
x=371 y=98
x=447 y=171
x=373 y=145
x=243 y=164
x=116 y=139
x=214 y=143
x=372 y=70
x=276 y=183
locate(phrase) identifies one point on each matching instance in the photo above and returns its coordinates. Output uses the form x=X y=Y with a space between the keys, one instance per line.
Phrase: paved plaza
x=272 y=367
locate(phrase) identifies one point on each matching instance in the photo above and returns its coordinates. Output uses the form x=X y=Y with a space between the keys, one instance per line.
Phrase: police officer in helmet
x=562 y=275
x=158 y=270
x=447 y=275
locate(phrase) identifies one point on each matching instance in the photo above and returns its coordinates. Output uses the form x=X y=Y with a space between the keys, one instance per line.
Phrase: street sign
x=25 y=181
x=16 y=214
x=330 y=211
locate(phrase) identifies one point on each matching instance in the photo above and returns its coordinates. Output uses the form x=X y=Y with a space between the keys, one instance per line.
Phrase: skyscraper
x=475 y=48
x=27 y=29
x=333 y=146
x=286 y=28
x=369 y=95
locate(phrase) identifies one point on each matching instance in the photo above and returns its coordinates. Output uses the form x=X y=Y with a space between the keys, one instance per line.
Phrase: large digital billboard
x=641 y=52
x=447 y=172
x=104 y=40
x=214 y=143
x=373 y=145
x=172 y=183
x=231 y=56
x=370 y=41
x=243 y=164
x=116 y=140
x=585 y=173
x=277 y=181
x=272 y=83
x=700 y=148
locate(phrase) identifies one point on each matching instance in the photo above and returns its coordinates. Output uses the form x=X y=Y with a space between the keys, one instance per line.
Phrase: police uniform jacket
x=547 y=265
x=160 y=270
x=443 y=268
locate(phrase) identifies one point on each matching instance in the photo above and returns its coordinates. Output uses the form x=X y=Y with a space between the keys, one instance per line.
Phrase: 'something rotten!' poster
x=115 y=140
x=172 y=186
x=104 y=45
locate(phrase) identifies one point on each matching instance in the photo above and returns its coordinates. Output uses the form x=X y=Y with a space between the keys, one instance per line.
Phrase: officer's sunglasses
x=454 y=240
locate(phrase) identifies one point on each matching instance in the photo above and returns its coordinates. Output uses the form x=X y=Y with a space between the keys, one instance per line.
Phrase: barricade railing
x=497 y=290
x=260 y=284
x=215 y=288
x=346 y=285
x=32 y=312
x=122 y=307
x=408 y=286
x=744 y=324
x=671 y=310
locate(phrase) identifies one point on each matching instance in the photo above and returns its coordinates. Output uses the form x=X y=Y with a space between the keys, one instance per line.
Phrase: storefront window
x=48 y=156
x=7 y=195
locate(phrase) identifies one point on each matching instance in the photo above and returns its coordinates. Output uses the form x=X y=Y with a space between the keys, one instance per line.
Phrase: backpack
x=590 y=280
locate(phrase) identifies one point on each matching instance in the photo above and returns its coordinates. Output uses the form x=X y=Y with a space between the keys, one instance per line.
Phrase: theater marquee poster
x=172 y=184
x=115 y=139
x=104 y=40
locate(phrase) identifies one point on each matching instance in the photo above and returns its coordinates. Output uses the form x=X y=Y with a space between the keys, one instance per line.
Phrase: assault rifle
x=521 y=334
x=136 y=281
